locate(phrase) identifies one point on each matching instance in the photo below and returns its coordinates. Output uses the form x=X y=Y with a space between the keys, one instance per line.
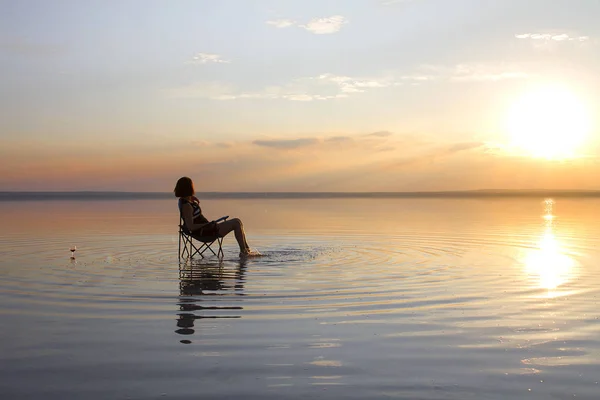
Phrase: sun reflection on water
x=548 y=263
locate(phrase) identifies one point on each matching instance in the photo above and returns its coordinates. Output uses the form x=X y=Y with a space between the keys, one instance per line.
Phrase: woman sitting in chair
x=197 y=224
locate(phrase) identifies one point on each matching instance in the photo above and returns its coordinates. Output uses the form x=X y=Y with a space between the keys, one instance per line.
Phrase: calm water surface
x=354 y=298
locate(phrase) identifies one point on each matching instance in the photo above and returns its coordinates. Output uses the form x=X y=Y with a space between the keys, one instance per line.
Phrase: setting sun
x=550 y=122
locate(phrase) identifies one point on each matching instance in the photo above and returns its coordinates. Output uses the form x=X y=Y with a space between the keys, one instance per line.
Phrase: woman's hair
x=184 y=187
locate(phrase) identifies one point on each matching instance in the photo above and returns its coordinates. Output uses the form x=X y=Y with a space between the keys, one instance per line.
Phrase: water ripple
x=410 y=312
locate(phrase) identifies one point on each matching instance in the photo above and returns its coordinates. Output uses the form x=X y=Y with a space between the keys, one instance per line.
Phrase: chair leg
x=179 y=246
x=198 y=250
x=210 y=248
x=188 y=250
x=185 y=247
x=180 y=250
x=221 y=254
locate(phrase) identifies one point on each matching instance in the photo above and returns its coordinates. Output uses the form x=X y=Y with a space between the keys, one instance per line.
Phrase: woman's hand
x=211 y=224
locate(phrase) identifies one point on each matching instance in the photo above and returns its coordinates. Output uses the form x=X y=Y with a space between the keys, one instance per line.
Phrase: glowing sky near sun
x=369 y=95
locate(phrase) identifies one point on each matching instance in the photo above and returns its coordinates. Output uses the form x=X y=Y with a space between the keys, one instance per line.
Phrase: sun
x=549 y=122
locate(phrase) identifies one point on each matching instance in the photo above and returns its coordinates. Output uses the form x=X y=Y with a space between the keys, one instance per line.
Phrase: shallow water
x=354 y=298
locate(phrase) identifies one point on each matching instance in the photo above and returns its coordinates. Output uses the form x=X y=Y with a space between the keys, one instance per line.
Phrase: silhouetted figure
x=197 y=224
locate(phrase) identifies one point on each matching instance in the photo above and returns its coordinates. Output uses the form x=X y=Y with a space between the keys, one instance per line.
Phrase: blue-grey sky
x=299 y=95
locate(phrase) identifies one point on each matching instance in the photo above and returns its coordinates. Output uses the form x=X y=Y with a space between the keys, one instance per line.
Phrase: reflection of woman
x=203 y=280
x=197 y=224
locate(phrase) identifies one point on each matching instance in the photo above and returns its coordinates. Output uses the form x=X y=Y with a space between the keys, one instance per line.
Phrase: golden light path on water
x=549 y=262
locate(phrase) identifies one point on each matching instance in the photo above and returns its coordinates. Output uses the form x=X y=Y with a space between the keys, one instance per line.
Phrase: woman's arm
x=188 y=218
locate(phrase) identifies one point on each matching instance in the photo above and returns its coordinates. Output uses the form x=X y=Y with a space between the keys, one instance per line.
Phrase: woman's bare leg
x=237 y=227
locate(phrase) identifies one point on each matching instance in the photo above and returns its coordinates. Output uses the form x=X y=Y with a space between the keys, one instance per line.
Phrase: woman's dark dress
x=209 y=230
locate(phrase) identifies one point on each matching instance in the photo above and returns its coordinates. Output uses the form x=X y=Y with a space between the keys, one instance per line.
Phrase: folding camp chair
x=188 y=249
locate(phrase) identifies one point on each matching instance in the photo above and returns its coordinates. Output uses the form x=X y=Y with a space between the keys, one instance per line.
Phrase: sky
x=299 y=95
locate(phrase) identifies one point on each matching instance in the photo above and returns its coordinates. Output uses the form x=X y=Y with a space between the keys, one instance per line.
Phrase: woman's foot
x=250 y=253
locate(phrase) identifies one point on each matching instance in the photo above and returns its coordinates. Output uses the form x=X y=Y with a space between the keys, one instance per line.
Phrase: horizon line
x=320 y=191
x=124 y=195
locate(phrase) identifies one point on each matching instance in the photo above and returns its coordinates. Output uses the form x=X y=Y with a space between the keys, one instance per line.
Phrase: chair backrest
x=182 y=226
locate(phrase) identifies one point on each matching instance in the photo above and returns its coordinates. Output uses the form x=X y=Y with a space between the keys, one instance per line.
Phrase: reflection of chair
x=196 y=278
x=187 y=247
x=199 y=277
x=203 y=287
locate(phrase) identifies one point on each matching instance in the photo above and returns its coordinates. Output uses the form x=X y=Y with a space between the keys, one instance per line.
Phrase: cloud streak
x=281 y=23
x=551 y=41
x=468 y=73
x=208 y=58
x=436 y=154
x=380 y=134
x=330 y=86
x=286 y=143
x=318 y=26
x=318 y=88
x=562 y=37
x=323 y=26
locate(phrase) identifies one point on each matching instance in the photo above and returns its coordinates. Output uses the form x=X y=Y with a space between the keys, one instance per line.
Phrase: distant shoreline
x=115 y=195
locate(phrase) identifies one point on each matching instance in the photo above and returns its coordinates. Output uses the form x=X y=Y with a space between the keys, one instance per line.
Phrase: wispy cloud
x=339 y=139
x=380 y=134
x=266 y=95
x=322 y=26
x=480 y=72
x=551 y=41
x=457 y=147
x=436 y=153
x=484 y=72
x=330 y=86
x=347 y=84
x=318 y=26
x=207 y=58
x=287 y=143
x=467 y=73
x=556 y=37
x=322 y=87
x=360 y=140
x=317 y=88
x=208 y=144
x=282 y=23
